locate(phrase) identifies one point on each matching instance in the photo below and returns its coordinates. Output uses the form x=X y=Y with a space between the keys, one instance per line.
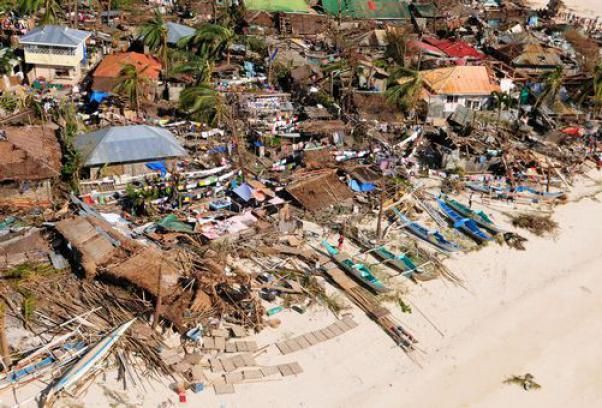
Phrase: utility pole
x=158 y=303
x=380 y=210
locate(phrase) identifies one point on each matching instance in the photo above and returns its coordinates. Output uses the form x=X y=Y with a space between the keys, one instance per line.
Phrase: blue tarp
x=98 y=96
x=361 y=187
x=244 y=191
x=158 y=165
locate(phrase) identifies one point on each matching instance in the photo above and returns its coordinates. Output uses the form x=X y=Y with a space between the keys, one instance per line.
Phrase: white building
x=56 y=53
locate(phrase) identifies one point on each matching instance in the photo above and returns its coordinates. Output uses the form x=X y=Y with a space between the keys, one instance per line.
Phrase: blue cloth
x=218 y=149
x=98 y=96
x=361 y=187
x=244 y=191
x=158 y=165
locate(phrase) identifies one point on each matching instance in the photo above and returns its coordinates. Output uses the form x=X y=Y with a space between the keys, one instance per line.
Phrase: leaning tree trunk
x=4 y=350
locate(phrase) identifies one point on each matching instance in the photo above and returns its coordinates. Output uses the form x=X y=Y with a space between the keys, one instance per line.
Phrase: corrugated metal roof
x=368 y=9
x=175 y=32
x=55 y=36
x=127 y=144
x=459 y=80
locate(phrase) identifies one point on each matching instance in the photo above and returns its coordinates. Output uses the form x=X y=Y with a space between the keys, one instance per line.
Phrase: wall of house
x=56 y=74
x=130 y=169
x=449 y=103
x=54 y=57
x=26 y=194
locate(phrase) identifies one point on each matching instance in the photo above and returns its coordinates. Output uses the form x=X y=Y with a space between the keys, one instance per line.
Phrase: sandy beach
x=535 y=311
x=585 y=8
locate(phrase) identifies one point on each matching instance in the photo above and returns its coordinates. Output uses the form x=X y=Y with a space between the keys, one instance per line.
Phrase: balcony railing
x=36 y=49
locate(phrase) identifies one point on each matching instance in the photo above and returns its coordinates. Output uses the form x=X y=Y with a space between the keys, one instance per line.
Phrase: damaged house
x=450 y=87
x=30 y=161
x=127 y=150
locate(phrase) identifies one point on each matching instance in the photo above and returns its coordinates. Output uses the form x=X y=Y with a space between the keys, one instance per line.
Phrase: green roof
x=368 y=9
x=278 y=6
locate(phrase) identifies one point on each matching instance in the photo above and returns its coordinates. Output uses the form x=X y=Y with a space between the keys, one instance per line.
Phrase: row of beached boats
x=475 y=224
x=65 y=360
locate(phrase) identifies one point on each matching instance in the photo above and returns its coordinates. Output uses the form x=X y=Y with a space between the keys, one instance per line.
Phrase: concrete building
x=56 y=53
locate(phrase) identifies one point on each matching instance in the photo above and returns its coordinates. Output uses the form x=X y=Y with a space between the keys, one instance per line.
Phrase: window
x=475 y=105
x=62 y=73
x=452 y=99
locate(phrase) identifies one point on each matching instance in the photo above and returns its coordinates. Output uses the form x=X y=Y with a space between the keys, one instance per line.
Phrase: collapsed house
x=30 y=162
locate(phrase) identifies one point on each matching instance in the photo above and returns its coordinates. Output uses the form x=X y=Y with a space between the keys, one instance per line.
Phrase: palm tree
x=199 y=67
x=404 y=88
x=210 y=41
x=552 y=84
x=52 y=9
x=207 y=105
x=7 y=60
x=154 y=35
x=502 y=100
x=132 y=84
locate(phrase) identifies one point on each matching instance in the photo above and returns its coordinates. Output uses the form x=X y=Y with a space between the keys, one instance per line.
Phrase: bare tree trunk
x=158 y=303
x=4 y=350
x=380 y=210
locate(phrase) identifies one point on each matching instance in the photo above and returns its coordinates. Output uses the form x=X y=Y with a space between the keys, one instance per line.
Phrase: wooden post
x=158 y=303
x=548 y=178
x=4 y=351
x=380 y=210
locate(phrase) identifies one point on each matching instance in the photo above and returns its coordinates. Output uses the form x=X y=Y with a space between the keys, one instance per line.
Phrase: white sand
x=535 y=311
x=585 y=8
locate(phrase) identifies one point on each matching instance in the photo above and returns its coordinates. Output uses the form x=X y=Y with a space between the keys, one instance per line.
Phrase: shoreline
x=582 y=8
x=521 y=311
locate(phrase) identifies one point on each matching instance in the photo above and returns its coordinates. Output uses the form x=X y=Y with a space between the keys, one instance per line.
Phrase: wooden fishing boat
x=466 y=225
x=479 y=216
x=45 y=360
x=401 y=262
x=359 y=271
x=89 y=360
x=434 y=238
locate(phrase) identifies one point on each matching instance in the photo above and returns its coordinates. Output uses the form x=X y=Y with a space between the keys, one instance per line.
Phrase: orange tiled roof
x=459 y=80
x=112 y=64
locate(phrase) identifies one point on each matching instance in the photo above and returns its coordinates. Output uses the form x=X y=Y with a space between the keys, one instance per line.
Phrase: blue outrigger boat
x=434 y=238
x=357 y=270
x=466 y=225
x=479 y=216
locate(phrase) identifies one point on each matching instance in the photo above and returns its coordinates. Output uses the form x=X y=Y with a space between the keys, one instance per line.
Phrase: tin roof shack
x=447 y=88
x=106 y=75
x=305 y=24
x=529 y=57
x=370 y=77
x=57 y=53
x=30 y=161
x=316 y=193
x=127 y=150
